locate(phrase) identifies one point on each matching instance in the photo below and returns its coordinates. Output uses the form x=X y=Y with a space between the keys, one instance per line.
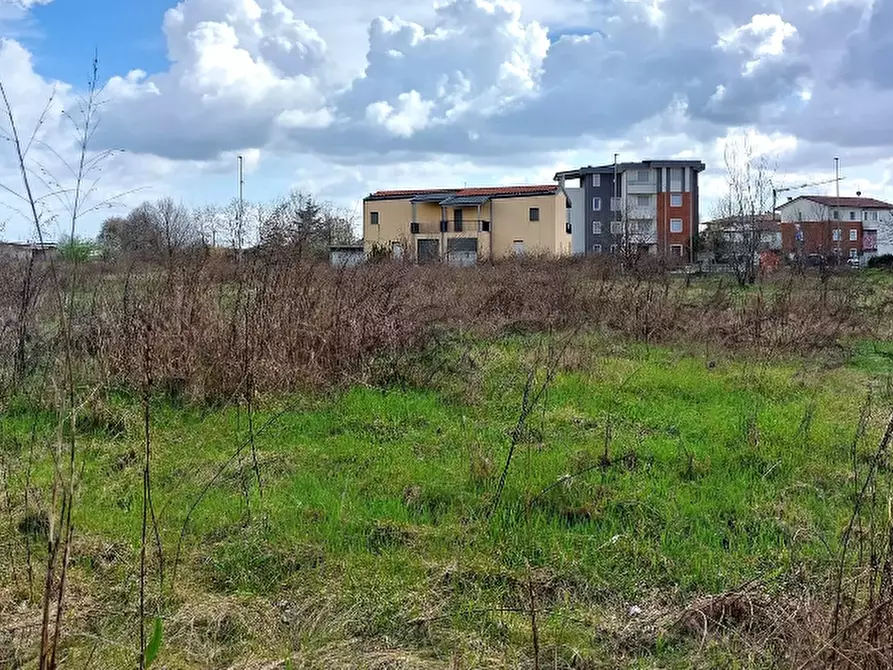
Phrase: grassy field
x=361 y=527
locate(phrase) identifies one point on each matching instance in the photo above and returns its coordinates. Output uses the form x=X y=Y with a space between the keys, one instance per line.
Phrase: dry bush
x=211 y=324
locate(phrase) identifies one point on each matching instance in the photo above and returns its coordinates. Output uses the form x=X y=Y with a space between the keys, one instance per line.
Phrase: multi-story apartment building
x=649 y=206
x=831 y=226
x=464 y=225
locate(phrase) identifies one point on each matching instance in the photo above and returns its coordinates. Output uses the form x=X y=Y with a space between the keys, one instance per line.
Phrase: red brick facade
x=666 y=240
x=818 y=237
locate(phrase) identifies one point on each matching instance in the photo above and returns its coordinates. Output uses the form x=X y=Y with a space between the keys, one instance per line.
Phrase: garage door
x=462 y=250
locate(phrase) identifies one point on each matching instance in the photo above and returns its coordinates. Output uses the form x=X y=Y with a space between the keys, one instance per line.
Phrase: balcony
x=449 y=226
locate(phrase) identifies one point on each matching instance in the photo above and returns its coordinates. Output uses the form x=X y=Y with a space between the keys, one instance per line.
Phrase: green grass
x=372 y=530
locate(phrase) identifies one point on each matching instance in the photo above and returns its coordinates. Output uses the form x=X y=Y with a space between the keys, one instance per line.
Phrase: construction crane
x=776 y=191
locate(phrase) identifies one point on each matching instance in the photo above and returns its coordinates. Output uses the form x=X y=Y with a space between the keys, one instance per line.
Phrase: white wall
x=884 y=232
x=803 y=210
x=807 y=210
x=577 y=215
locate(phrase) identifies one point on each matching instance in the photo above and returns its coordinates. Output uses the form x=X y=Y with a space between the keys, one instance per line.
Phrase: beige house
x=464 y=225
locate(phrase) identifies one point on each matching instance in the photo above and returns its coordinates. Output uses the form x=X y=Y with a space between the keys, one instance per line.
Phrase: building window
x=835 y=235
x=865 y=215
x=854 y=235
x=854 y=253
x=643 y=200
x=675 y=180
x=534 y=213
x=596 y=227
x=643 y=176
x=676 y=200
x=852 y=215
x=596 y=180
x=874 y=216
x=597 y=248
x=616 y=227
x=457 y=220
x=835 y=215
x=596 y=204
x=518 y=247
x=799 y=216
x=676 y=250
x=613 y=248
x=615 y=204
x=484 y=226
x=373 y=218
x=675 y=225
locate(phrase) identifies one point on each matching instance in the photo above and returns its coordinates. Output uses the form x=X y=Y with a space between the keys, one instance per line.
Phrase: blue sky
x=340 y=99
x=126 y=34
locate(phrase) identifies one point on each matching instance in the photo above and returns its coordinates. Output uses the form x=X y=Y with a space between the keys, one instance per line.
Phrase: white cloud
x=411 y=114
x=764 y=37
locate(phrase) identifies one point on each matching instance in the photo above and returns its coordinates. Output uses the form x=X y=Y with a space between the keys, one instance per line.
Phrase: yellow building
x=465 y=225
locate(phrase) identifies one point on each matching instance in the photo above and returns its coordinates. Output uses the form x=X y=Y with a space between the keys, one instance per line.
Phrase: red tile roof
x=486 y=190
x=510 y=190
x=411 y=192
x=845 y=201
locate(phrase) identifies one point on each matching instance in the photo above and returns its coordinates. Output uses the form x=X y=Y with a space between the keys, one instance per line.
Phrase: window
x=615 y=204
x=675 y=180
x=518 y=247
x=852 y=215
x=373 y=218
x=534 y=213
x=676 y=200
x=397 y=250
x=854 y=235
x=865 y=215
x=596 y=204
x=835 y=235
x=799 y=216
x=596 y=227
x=616 y=227
x=676 y=250
x=596 y=180
x=675 y=225
x=643 y=200
x=597 y=248
x=854 y=253
x=643 y=176
x=613 y=248
x=457 y=220
x=835 y=214
x=485 y=226
x=874 y=216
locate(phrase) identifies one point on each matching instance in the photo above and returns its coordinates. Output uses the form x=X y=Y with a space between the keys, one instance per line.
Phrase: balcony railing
x=449 y=226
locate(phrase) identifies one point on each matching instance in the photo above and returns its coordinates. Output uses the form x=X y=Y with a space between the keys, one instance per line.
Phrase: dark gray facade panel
x=605 y=191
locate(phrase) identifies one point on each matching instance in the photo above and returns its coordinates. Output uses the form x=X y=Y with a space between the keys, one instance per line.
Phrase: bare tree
x=175 y=226
x=152 y=231
x=744 y=210
x=304 y=224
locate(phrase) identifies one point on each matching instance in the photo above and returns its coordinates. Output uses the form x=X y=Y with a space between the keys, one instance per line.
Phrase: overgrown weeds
x=304 y=326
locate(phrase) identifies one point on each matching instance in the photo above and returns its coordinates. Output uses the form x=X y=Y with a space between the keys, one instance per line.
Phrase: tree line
x=299 y=223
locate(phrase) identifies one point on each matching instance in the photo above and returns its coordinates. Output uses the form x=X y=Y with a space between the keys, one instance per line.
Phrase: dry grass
x=209 y=323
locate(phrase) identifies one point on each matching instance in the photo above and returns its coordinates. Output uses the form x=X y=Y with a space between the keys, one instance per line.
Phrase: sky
x=343 y=98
